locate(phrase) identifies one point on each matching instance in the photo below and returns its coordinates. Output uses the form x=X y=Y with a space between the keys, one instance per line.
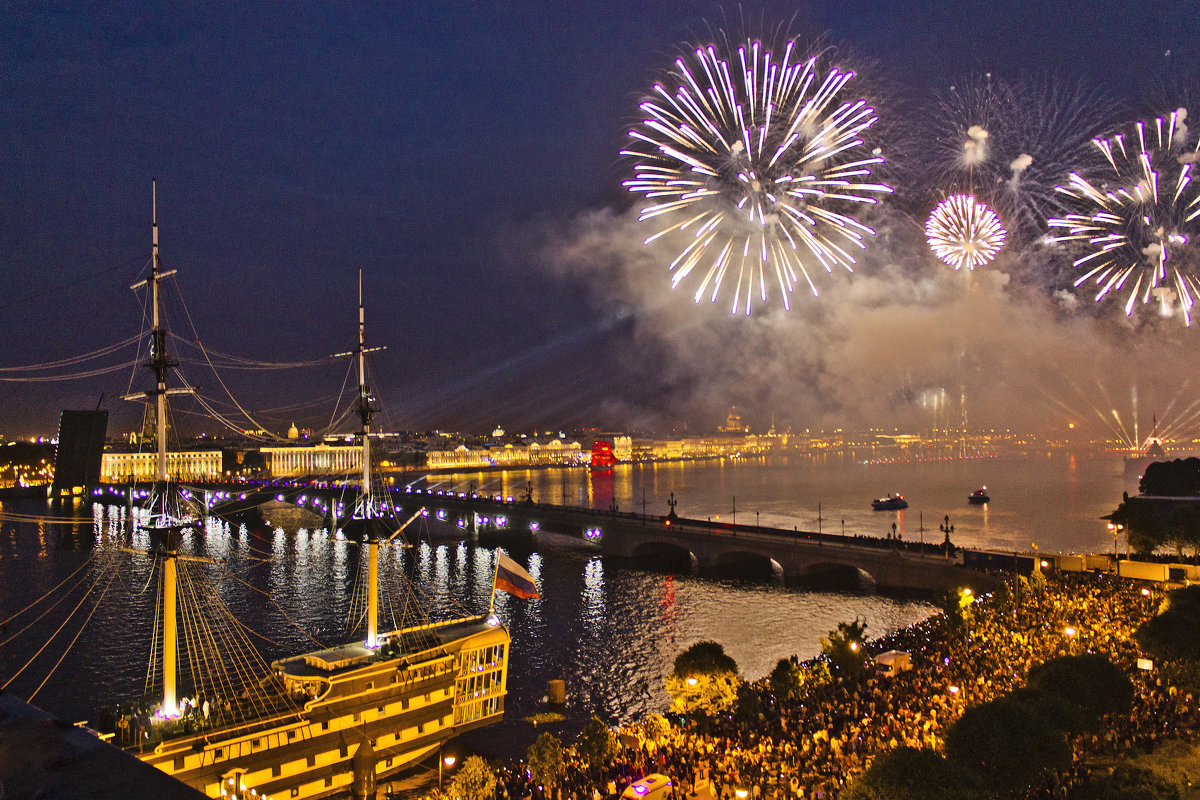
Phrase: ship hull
x=370 y=719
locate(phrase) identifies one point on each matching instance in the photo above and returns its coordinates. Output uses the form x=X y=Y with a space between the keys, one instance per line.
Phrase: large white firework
x=763 y=162
x=1137 y=220
x=964 y=232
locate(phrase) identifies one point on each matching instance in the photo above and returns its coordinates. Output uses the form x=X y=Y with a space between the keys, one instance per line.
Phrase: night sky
x=465 y=157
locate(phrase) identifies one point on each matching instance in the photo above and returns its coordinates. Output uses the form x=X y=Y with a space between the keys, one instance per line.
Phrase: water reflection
x=610 y=631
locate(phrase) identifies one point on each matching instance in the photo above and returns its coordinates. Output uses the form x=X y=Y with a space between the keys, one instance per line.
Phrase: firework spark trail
x=760 y=160
x=1139 y=225
x=1009 y=144
x=964 y=232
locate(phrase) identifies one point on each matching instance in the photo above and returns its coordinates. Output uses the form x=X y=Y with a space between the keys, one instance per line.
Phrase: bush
x=907 y=773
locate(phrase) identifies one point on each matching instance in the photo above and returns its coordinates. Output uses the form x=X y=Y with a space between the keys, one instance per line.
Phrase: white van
x=893 y=662
x=652 y=786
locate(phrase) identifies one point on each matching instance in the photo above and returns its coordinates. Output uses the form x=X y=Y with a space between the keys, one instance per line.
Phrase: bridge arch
x=747 y=563
x=659 y=554
x=834 y=575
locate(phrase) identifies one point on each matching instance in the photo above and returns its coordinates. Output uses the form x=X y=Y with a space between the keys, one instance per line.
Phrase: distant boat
x=979 y=496
x=890 y=503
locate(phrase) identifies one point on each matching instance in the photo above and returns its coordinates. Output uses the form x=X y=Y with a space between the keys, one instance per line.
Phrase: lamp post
x=448 y=762
x=1116 y=529
x=947 y=529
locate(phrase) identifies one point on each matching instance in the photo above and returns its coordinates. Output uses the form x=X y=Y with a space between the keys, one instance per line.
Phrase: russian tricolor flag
x=512 y=578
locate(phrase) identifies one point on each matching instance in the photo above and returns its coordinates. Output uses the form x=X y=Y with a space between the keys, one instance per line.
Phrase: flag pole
x=495 y=575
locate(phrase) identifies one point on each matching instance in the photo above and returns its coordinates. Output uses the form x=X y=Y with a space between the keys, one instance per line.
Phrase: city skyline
x=466 y=160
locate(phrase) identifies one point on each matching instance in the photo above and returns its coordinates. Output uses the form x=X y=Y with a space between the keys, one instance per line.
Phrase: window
x=342 y=751
x=276 y=771
x=325 y=725
x=179 y=762
x=312 y=761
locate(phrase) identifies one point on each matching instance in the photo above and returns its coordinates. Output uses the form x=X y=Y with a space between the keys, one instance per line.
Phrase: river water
x=610 y=630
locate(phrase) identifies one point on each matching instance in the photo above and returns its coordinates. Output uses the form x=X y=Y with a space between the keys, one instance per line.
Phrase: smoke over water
x=900 y=342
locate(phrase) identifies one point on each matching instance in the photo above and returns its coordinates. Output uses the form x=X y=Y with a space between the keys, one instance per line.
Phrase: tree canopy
x=1176 y=478
x=474 y=781
x=907 y=773
x=1006 y=743
x=703 y=658
x=546 y=763
x=1089 y=681
x=1173 y=634
x=844 y=647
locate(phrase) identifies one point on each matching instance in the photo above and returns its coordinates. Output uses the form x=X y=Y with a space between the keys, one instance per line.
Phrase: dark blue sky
x=429 y=144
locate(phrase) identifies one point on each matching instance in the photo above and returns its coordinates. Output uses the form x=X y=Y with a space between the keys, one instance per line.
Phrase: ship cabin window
x=380 y=709
x=296 y=792
x=395 y=677
x=420 y=729
x=342 y=751
x=404 y=704
x=276 y=771
x=325 y=725
x=219 y=753
x=312 y=761
x=389 y=763
x=357 y=716
x=370 y=684
x=427 y=697
x=329 y=780
x=291 y=734
x=178 y=762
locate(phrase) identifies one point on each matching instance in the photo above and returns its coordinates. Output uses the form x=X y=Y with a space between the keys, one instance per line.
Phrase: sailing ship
x=317 y=724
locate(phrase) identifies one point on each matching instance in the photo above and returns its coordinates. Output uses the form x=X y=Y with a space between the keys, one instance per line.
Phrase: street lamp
x=448 y=762
x=1116 y=529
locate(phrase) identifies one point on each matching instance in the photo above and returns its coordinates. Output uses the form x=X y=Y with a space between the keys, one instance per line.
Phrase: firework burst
x=1139 y=225
x=762 y=161
x=964 y=232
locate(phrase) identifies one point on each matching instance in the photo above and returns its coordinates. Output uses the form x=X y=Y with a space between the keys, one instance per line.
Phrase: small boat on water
x=890 y=503
x=979 y=496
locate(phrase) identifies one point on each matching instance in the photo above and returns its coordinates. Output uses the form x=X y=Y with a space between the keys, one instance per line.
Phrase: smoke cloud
x=874 y=348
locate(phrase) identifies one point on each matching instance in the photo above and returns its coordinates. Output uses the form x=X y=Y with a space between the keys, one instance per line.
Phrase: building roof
x=41 y=756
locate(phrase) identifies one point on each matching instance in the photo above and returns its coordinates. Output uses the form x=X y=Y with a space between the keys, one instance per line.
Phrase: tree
x=546 y=763
x=1177 y=478
x=1172 y=634
x=907 y=773
x=787 y=678
x=596 y=744
x=703 y=658
x=657 y=726
x=1089 y=681
x=474 y=781
x=704 y=680
x=1005 y=743
x=844 y=647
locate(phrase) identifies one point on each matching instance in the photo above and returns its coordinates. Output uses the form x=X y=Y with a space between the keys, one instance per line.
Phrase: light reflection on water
x=611 y=632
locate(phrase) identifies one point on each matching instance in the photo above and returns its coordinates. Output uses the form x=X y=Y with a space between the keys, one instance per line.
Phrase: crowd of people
x=812 y=742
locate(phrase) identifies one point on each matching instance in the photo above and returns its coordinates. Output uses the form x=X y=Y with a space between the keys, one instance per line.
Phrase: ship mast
x=365 y=507
x=165 y=520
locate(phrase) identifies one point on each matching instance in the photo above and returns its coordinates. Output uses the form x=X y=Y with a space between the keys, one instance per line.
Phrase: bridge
x=799 y=556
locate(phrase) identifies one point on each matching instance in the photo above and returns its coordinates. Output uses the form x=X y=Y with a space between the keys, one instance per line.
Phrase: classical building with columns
x=290 y=462
x=186 y=465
